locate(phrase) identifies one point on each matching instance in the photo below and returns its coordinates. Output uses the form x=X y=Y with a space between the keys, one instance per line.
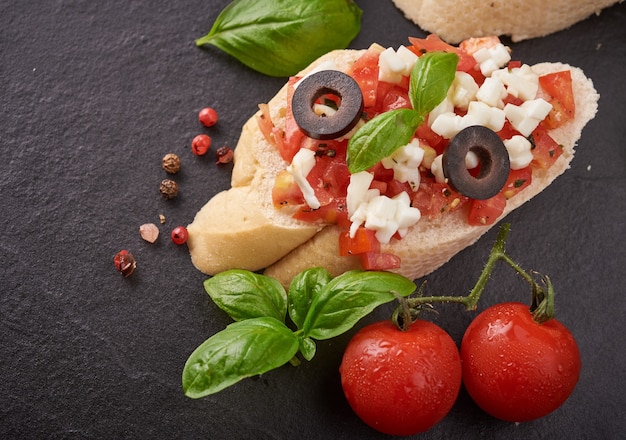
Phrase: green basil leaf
x=380 y=137
x=241 y=350
x=431 y=77
x=348 y=298
x=281 y=37
x=302 y=289
x=244 y=295
x=307 y=348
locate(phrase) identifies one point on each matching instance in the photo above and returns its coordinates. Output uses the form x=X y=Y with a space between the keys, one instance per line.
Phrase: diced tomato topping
x=365 y=73
x=433 y=43
x=486 y=212
x=514 y=64
x=517 y=181
x=286 y=191
x=426 y=134
x=364 y=240
x=264 y=121
x=545 y=149
x=433 y=199
x=474 y=44
x=292 y=136
x=381 y=173
x=507 y=131
x=379 y=261
x=396 y=97
x=336 y=212
x=559 y=86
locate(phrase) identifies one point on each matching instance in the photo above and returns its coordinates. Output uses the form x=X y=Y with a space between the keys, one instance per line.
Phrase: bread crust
x=288 y=246
x=457 y=20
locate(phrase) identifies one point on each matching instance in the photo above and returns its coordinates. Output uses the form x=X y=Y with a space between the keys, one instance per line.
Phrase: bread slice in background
x=457 y=20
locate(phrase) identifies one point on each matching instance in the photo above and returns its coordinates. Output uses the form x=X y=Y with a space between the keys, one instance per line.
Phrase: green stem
x=542 y=306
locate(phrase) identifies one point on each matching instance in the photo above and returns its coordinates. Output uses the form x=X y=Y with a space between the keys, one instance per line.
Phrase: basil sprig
x=281 y=37
x=431 y=77
x=319 y=307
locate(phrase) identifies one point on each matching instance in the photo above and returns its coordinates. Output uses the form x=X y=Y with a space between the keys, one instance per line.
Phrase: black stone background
x=93 y=94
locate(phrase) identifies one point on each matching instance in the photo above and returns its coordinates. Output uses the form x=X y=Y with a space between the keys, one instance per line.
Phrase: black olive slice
x=323 y=83
x=494 y=163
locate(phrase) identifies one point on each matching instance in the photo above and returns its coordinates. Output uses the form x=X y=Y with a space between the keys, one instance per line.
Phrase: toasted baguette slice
x=431 y=243
x=457 y=20
x=240 y=228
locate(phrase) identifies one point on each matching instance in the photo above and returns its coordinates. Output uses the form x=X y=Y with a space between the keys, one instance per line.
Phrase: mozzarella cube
x=492 y=58
x=437 y=169
x=447 y=124
x=358 y=190
x=463 y=90
x=479 y=113
x=409 y=59
x=521 y=82
x=492 y=92
x=519 y=149
x=527 y=116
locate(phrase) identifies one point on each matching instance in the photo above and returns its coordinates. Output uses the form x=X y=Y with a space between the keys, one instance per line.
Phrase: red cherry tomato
x=207 y=117
x=200 y=144
x=180 y=235
x=516 y=369
x=401 y=382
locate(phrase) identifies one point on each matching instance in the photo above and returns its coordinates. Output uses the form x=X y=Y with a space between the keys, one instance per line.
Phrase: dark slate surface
x=95 y=93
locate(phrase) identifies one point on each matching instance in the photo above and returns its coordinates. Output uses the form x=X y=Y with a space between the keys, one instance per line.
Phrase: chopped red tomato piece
x=486 y=212
x=433 y=199
x=395 y=98
x=286 y=191
x=559 y=86
x=364 y=240
x=292 y=135
x=433 y=43
x=426 y=134
x=517 y=181
x=379 y=261
x=365 y=73
x=336 y=212
x=545 y=149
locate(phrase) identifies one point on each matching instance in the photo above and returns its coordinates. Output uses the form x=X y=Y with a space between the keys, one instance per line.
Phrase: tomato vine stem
x=542 y=300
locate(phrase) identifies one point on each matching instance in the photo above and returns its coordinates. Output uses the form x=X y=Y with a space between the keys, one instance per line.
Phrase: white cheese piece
x=358 y=191
x=519 y=149
x=479 y=113
x=492 y=92
x=521 y=82
x=527 y=116
x=471 y=160
x=445 y=106
x=409 y=59
x=463 y=90
x=386 y=216
x=437 y=169
x=405 y=162
x=393 y=65
x=492 y=58
x=301 y=165
x=448 y=124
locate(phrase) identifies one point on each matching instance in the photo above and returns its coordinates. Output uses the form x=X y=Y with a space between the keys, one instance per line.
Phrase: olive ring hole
x=313 y=87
